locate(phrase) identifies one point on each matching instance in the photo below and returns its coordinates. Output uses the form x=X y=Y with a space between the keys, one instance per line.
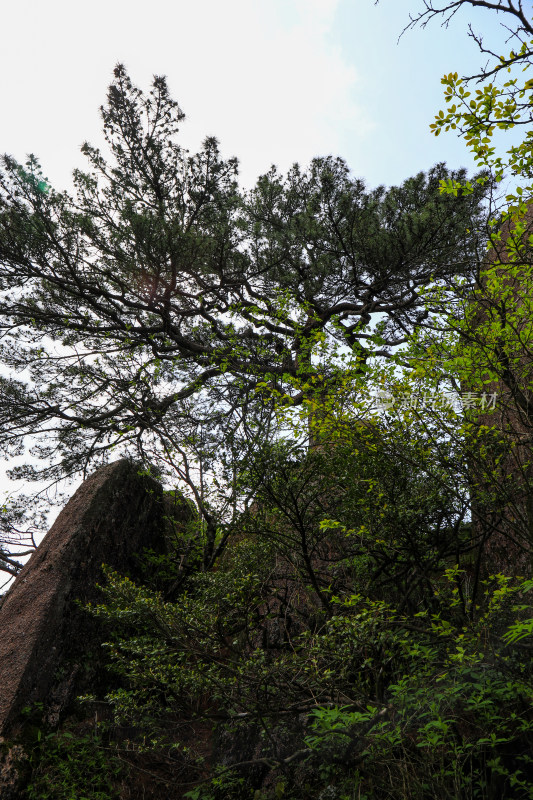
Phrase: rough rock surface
x=10 y=767
x=45 y=633
x=506 y=532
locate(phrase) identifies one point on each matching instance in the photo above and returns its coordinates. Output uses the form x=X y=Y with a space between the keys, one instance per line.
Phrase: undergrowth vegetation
x=341 y=648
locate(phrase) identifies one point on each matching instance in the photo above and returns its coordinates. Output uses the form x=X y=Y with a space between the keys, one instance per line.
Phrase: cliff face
x=46 y=634
x=502 y=491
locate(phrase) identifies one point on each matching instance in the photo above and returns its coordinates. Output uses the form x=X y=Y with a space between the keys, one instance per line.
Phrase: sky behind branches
x=276 y=81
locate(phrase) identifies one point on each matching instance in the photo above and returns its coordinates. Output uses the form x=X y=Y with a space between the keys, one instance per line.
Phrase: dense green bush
x=73 y=766
x=334 y=657
x=372 y=702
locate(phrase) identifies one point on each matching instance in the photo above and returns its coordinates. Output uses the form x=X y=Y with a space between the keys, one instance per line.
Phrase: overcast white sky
x=277 y=81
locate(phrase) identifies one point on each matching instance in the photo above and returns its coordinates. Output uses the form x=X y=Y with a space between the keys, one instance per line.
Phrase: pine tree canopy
x=159 y=295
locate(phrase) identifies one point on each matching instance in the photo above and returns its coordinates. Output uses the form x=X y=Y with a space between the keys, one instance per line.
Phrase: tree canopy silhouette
x=160 y=297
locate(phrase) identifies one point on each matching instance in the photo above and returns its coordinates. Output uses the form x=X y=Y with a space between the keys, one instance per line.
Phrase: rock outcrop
x=503 y=521
x=46 y=633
